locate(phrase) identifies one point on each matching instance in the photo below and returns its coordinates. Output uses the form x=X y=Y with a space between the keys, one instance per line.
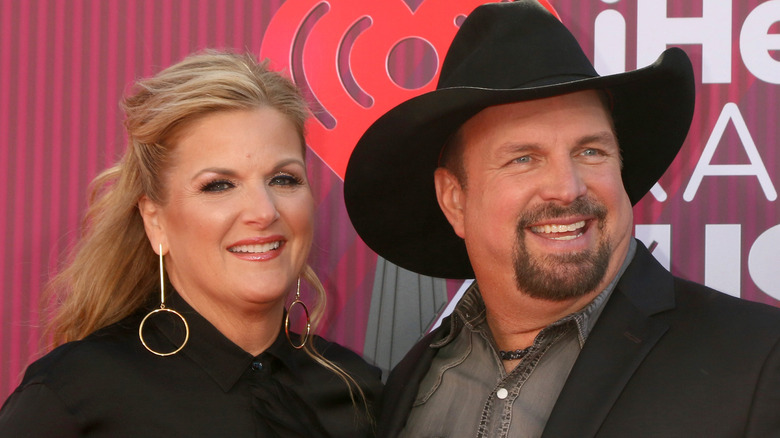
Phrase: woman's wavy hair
x=113 y=271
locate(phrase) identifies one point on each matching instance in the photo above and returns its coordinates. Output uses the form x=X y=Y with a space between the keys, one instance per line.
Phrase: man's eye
x=217 y=186
x=591 y=152
x=523 y=159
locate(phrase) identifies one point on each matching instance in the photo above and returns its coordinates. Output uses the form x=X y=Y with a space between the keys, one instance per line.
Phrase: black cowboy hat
x=503 y=53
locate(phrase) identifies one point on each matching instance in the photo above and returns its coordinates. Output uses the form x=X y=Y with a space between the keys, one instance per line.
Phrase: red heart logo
x=356 y=59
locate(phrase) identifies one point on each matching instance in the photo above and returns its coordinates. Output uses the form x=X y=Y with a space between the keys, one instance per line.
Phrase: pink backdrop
x=65 y=64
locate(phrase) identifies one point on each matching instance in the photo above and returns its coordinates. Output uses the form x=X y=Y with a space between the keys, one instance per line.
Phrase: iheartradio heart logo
x=356 y=59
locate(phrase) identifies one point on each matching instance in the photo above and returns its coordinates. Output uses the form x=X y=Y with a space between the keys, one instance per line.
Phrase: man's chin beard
x=561 y=277
x=565 y=276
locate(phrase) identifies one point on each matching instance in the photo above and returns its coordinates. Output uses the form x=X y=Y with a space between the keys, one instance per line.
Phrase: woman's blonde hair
x=113 y=269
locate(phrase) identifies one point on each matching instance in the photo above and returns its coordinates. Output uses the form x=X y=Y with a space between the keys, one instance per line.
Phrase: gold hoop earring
x=287 y=318
x=163 y=309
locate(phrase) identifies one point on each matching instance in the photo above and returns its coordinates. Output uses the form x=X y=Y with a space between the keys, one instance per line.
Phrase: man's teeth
x=548 y=228
x=263 y=247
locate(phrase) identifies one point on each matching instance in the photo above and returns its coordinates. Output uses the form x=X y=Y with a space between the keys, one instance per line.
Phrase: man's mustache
x=550 y=211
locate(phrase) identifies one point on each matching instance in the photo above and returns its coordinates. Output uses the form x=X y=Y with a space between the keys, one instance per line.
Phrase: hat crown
x=513 y=45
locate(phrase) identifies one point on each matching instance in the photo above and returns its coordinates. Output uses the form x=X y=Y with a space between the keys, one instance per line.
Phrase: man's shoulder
x=701 y=302
x=657 y=292
x=415 y=358
x=404 y=380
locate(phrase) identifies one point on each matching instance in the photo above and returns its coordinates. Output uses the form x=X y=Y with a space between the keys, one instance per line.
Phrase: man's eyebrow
x=607 y=137
x=517 y=147
x=604 y=137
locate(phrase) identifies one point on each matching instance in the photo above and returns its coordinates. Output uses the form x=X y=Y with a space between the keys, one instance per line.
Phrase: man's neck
x=514 y=322
x=515 y=317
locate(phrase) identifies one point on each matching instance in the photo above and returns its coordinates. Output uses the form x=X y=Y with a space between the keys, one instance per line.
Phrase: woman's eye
x=287 y=180
x=217 y=186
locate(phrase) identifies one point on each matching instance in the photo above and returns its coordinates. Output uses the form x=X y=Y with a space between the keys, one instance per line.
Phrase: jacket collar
x=620 y=341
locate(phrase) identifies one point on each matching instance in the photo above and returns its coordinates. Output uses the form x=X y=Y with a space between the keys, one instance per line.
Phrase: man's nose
x=562 y=182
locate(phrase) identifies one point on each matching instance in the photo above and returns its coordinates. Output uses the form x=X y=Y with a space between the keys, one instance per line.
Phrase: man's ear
x=155 y=231
x=449 y=193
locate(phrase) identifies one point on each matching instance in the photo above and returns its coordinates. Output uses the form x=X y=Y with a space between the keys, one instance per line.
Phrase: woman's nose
x=260 y=207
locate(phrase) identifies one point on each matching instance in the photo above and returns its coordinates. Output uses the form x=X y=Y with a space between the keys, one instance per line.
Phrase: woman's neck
x=253 y=328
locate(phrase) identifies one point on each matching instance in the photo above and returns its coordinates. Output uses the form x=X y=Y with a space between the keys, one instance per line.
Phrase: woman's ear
x=449 y=193
x=151 y=213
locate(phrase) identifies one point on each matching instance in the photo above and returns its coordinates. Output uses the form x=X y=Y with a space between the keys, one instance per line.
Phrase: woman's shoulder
x=91 y=357
x=347 y=359
x=75 y=376
x=343 y=411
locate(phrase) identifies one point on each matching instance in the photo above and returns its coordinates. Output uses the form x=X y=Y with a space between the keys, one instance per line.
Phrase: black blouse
x=109 y=385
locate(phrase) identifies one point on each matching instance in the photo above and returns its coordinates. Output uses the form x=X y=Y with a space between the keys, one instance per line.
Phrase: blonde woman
x=212 y=191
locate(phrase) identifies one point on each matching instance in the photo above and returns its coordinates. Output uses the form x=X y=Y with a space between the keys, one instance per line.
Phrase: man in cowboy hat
x=521 y=170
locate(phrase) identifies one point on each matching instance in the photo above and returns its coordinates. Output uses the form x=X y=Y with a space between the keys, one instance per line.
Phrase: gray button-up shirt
x=467 y=391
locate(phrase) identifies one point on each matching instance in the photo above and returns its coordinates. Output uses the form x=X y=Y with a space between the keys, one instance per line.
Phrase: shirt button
x=257 y=366
x=502 y=393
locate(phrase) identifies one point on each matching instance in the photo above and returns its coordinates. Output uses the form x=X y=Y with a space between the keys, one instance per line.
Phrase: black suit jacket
x=667 y=358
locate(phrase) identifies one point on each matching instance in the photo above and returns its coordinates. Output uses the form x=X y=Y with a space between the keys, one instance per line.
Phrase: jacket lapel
x=621 y=339
x=404 y=381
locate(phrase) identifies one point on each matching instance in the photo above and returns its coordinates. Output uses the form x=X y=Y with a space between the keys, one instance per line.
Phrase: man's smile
x=560 y=231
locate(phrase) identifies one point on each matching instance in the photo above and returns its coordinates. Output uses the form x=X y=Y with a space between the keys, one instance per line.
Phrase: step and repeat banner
x=714 y=217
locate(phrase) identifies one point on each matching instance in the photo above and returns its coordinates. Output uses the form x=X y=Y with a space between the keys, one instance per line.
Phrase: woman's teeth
x=258 y=248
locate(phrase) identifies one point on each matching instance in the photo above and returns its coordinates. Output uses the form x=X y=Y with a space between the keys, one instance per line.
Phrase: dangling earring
x=287 y=318
x=163 y=309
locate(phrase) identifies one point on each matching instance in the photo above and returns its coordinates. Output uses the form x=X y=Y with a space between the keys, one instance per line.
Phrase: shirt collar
x=224 y=361
x=470 y=311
